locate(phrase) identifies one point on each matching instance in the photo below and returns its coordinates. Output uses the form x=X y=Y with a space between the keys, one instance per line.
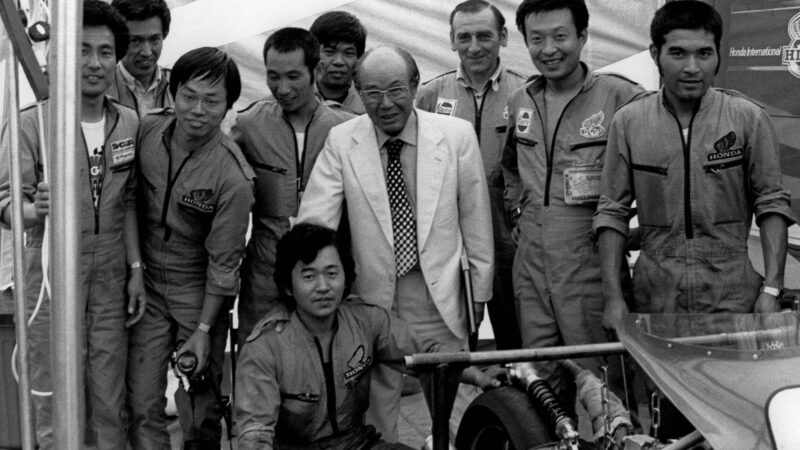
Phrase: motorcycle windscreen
x=720 y=370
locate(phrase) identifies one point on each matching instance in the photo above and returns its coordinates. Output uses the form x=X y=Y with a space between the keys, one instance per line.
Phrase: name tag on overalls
x=582 y=184
x=122 y=153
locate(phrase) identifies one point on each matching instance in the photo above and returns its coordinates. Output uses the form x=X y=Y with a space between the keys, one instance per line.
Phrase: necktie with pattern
x=403 y=225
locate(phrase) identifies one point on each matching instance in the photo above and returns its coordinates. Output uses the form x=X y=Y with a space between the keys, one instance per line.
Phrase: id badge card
x=582 y=184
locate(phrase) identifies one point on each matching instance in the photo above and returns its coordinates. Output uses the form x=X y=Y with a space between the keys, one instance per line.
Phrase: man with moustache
x=280 y=137
x=138 y=82
x=478 y=92
x=306 y=385
x=707 y=165
x=417 y=201
x=111 y=273
x=552 y=160
x=342 y=40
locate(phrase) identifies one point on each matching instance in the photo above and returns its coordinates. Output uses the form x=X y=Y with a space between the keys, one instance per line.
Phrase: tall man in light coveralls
x=196 y=191
x=707 y=163
x=281 y=137
x=478 y=92
x=700 y=163
x=111 y=272
x=557 y=133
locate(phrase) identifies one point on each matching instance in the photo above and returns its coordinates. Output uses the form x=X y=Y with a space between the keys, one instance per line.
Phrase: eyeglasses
x=376 y=95
x=190 y=99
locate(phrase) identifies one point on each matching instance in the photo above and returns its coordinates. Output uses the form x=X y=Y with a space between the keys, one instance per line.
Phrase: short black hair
x=144 y=9
x=303 y=243
x=290 y=39
x=580 y=15
x=411 y=66
x=476 y=6
x=685 y=15
x=339 y=27
x=209 y=64
x=97 y=13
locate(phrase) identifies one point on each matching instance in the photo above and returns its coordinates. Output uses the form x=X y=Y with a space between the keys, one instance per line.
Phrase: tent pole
x=67 y=315
x=15 y=178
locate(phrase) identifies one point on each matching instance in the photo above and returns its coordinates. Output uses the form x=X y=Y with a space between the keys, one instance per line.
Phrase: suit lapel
x=431 y=166
x=366 y=162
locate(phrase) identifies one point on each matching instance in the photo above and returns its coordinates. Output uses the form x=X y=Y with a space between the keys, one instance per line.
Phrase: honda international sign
x=761 y=59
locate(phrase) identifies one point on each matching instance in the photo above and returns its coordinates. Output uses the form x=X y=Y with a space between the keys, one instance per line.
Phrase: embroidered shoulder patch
x=524 y=117
x=199 y=199
x=357 y=363
x=592 y=127
x=723 y=148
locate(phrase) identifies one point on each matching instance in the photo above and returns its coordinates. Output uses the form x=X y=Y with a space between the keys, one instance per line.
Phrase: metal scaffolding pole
x=67 y=315
x=23 y=386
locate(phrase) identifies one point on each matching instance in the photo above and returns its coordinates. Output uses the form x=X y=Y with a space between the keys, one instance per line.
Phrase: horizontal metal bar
x=505 y=356
x=417 y=360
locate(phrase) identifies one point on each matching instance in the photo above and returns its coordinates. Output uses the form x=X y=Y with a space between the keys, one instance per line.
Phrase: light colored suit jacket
x=453 y=213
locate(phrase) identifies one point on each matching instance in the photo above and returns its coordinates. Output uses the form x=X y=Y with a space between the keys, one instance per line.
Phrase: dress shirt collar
x=132 y=82
x=494 y=79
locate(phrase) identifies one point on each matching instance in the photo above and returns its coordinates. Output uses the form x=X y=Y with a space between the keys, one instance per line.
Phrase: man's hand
x=41 y=200
x=766 y=303
x=612 y=316
x=484 y=380
x=515 y=234
x=137 y=297
x=512 y=222
x=198 y=343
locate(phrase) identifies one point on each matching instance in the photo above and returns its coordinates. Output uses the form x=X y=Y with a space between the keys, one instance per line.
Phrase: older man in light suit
x=416 y=200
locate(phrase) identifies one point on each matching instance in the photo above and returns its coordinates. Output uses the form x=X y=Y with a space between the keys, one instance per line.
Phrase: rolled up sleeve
x=616 y=194
x=226 y=240
x=767 y=192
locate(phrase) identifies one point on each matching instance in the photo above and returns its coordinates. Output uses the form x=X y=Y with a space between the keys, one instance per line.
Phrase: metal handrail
x=23 y=386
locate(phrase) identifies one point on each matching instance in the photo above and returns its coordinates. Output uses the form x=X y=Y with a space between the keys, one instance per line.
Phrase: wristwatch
x=773 y=291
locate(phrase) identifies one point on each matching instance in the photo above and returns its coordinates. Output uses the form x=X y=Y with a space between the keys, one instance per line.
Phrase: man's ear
x=654 y=53
x=504 y=37
x=452 y=41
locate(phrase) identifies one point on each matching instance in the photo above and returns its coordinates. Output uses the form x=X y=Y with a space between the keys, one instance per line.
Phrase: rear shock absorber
x=545 y=400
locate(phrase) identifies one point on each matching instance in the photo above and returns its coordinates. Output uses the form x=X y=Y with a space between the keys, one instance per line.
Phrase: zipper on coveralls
x=330 y=385
x=89 y=163
x=299 y=160
x=549 y=153
x=686 y=143
x=478 y=114
x=170 y=185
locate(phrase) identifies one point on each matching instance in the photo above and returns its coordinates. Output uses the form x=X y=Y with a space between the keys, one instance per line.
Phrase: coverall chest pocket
x=724 y=185
x=651 y=184
x=525 y=145
x=588 y=152
x=275 y=190
x=298 y=408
